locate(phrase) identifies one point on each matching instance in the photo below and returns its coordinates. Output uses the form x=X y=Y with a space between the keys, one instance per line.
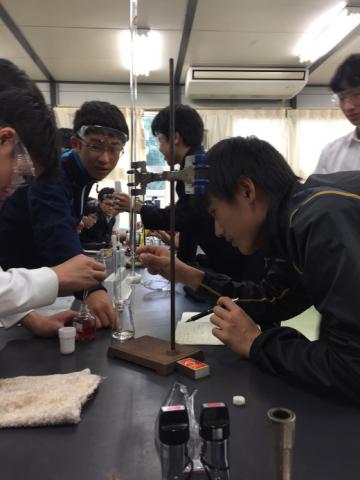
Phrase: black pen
x=206 y=312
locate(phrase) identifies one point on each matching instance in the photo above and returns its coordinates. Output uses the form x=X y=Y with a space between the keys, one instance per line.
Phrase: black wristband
x=80 y=295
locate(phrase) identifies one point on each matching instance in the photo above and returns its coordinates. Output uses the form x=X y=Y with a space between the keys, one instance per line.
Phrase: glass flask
x=85 y=324
x=124 y=328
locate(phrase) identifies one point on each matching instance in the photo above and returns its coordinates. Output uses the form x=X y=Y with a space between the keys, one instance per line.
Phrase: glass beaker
x=124 y=328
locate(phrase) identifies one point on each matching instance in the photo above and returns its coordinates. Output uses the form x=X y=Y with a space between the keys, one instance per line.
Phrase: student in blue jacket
x=47 y=214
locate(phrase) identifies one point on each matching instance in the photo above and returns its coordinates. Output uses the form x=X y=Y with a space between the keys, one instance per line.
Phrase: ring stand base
x=153 y=353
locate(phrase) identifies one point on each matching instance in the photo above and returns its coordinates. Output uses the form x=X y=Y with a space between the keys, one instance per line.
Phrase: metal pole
x=133 y=155
x=172 y=207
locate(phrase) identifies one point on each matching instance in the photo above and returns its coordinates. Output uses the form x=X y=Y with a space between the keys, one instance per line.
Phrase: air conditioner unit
x=244 y=83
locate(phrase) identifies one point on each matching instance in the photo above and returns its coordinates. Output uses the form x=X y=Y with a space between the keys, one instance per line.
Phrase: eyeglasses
x=352 y=94
x=99 y=147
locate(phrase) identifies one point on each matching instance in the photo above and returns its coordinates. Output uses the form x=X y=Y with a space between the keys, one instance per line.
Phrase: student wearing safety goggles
x=343 y=154
x=48 y=214
x=24 y=119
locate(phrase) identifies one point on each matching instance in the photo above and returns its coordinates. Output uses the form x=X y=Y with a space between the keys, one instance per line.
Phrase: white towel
x=45 y=400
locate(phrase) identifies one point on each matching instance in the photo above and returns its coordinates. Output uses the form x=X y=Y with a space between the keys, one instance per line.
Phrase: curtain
x=269 y=125
x=309 y=132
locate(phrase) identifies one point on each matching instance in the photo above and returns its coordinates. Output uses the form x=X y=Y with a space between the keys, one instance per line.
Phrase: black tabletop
x=116 y=432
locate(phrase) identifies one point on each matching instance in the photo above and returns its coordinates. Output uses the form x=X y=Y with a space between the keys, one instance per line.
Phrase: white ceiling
x=78 y=40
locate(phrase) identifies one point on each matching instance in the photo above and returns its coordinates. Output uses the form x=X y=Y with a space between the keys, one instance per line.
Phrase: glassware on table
x=124 y=329
x=85 y=324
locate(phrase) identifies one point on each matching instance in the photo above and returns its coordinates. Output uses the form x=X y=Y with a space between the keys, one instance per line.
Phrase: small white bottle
x=67 y=339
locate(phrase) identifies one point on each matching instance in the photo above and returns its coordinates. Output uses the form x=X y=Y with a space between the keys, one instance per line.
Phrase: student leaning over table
x=257 y=201
x=24 y=120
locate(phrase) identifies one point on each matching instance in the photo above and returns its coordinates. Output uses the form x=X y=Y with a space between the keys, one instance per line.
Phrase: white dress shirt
x=22 y=290
x=341 y=155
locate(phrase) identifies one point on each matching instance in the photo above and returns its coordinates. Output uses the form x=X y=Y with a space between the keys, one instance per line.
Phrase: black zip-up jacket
x=198 y=230
x=38 y=222
x=315 y=229
x=100 y=232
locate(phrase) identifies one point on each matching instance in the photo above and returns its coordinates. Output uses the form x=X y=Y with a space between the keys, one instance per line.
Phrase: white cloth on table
x=45 y=400
x=341 y=155
x=22 y=289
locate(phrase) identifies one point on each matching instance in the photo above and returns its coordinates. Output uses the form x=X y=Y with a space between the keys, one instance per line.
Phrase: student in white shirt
x=24 y=117
x=343 y=154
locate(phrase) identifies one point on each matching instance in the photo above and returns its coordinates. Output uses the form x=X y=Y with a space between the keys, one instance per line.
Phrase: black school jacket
x=198 y=230
x=315 y=230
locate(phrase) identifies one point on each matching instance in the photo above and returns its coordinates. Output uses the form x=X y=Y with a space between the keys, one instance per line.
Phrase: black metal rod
x=187 y=29
x=172 y=206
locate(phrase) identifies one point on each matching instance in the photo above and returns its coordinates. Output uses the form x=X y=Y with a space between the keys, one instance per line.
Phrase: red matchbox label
x=192 y=363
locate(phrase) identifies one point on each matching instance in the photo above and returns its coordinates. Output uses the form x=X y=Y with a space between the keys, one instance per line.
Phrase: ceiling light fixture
x=327 y=31
x=147 y=51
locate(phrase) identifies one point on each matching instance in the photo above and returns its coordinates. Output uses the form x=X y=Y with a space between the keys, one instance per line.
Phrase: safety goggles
x=85 y=130
x=98 y=147
x=23 y=170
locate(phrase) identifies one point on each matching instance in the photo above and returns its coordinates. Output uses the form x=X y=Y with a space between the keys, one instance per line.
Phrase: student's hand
x=79 y=273
x=101 y=306
x=80 y=227
x=233 y=326
x=123 y=202
x=157 y=261
x=47 y=326
x=165 y=236
x=88 y=222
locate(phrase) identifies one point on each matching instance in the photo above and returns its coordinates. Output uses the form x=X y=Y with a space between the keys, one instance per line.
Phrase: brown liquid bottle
x=85 y=324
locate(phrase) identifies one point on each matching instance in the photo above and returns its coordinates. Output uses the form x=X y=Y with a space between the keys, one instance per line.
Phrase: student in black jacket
x=257 y=201
x=101 y=231
x=195 y=230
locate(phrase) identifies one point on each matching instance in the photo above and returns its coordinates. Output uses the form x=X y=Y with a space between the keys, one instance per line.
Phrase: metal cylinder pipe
x=282 y=432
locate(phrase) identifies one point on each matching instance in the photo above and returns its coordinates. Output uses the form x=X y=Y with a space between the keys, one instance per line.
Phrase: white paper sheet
x=198 y=332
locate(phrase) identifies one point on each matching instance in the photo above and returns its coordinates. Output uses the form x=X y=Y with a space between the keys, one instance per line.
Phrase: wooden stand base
x=153 y=353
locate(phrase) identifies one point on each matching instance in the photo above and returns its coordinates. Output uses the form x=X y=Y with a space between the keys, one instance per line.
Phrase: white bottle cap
x=239 y=400
x=67 y=339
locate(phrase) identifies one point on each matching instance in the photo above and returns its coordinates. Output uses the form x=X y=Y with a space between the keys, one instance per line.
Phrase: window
x=155 y=162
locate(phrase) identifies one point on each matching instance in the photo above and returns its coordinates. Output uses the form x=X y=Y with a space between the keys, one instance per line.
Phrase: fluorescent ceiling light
x=147 y=51
x=327 y=31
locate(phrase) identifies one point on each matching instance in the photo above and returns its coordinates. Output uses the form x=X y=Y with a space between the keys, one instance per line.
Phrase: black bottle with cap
x=215 y=431
x=173 y=437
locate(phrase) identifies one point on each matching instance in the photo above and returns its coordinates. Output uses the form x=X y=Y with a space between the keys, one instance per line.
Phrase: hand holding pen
x=233 y=326
x=207 y=312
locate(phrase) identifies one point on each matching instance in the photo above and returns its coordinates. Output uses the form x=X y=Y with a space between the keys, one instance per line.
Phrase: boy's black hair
x=104 y=192
x=100 y=113
x=232 y=159
x=347 y=74
x=22 y=107
x=12 y=77
x=91 y=206
x=64 y=135
x=188 y=124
